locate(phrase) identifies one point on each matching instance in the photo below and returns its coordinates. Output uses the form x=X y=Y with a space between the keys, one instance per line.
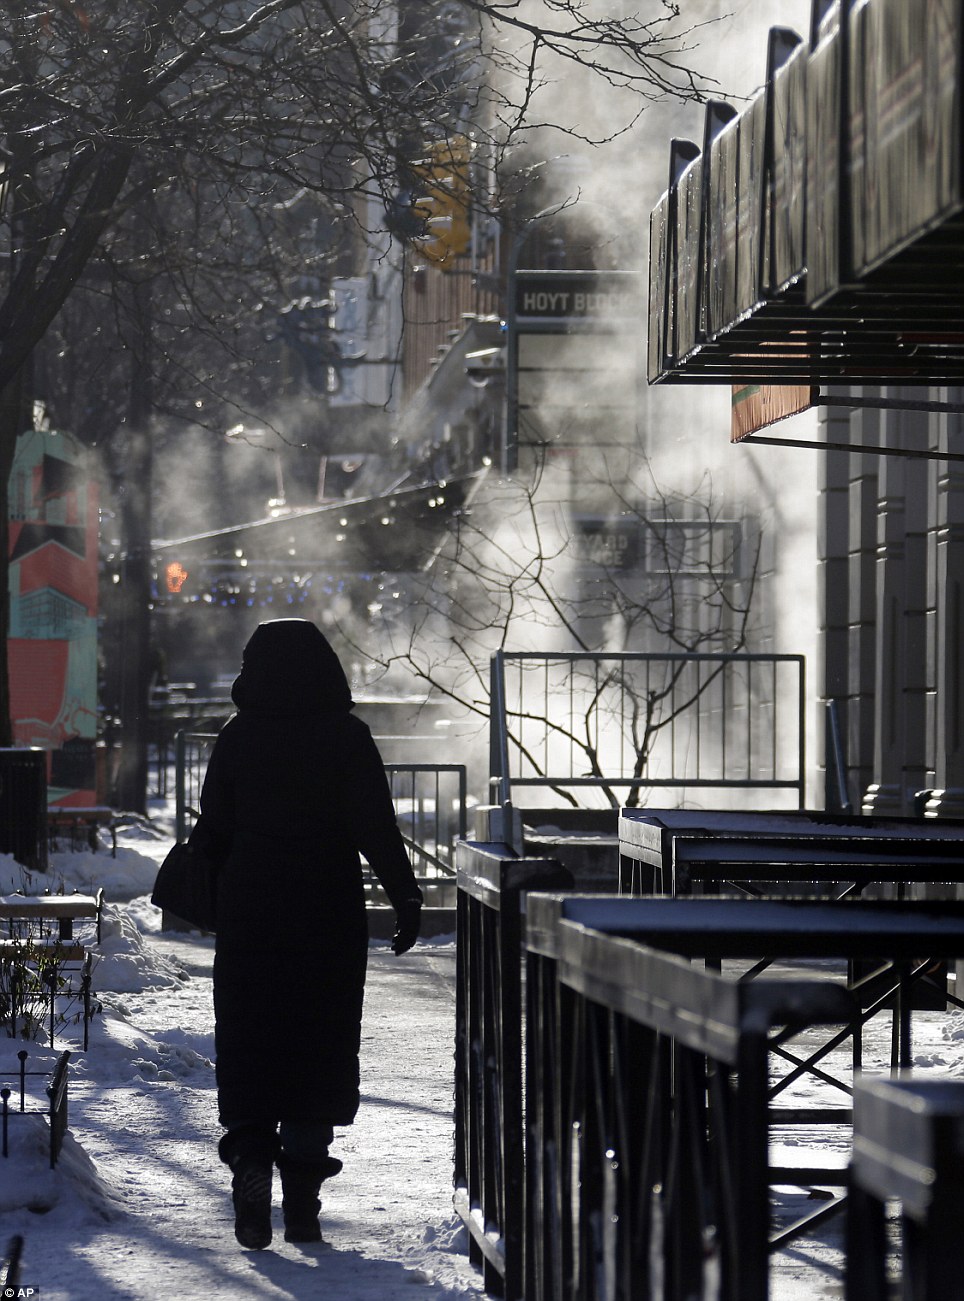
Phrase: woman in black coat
x=294 y=791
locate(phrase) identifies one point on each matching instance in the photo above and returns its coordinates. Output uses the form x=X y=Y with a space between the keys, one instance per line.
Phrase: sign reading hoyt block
x=579 y=296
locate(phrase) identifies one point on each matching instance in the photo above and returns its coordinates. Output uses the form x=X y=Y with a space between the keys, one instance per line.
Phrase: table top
x=754 y=928
x=49 y=905
x=805 y=846
x=791 y=822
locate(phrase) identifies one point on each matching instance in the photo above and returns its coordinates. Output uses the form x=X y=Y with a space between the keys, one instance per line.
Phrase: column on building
x=861 y=615
x=947 y=622
x=900 y=673
x=833 y=517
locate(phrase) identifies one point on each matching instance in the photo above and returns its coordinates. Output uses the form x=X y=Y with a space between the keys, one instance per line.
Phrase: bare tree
x=164 y=334
x=673 y=572
x=107 y=108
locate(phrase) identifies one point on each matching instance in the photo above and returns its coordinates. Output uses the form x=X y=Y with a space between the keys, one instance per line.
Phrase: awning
x=819 y=236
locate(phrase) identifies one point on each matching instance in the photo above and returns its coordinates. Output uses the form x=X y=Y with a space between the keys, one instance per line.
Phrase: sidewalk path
x=387 y=1220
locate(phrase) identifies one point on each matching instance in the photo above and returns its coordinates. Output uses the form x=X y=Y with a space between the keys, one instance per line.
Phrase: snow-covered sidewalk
x=139 y=1205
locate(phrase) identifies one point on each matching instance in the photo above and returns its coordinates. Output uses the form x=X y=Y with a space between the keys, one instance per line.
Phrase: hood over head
x=288 y=666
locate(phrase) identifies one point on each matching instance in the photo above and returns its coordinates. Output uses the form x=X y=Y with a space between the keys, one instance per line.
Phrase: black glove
x=408 y=923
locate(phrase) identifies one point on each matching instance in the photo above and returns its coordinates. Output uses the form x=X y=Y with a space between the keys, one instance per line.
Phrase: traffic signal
x=443 y=201
x=175 y=576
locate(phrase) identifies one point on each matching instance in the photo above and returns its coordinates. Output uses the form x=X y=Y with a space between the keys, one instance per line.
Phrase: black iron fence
x=654 y=1058
x=55 y=1111
x=430 y=803
x=587 y=729
x=488 y=1052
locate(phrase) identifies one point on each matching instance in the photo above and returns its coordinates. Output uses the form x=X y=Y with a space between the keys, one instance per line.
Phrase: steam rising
x=593 y=427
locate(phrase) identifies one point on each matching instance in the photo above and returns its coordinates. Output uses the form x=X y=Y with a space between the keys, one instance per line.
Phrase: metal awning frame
x=874 y=404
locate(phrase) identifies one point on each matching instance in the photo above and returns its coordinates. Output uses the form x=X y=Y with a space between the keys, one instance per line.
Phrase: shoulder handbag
x=187 y=885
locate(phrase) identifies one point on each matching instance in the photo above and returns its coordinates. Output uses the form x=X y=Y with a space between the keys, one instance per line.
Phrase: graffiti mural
x=53 y=610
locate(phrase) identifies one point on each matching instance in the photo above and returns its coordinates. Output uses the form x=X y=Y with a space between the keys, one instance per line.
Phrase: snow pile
x=124 y=877
x=28 y=1183
x=120 y=1051
x=139 y=1204
x=16 y=879
x=123 y=962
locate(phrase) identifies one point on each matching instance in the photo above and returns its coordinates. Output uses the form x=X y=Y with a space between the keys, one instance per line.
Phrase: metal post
x=180 y=801
x=499 y=747
x=802 y=733
x=14 y=991
x=751 y=1178
x=510 y=430
x=11 y=1278
x=57 y=1093
x=463 y=794
x=23 y=1055
x=85 y=993
x=49 y=978
x=837 y=754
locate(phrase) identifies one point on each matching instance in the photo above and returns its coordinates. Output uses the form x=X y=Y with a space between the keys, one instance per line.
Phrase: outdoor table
x=886 y=944
x=64 y=909
x=681 y=851
x=634 y=958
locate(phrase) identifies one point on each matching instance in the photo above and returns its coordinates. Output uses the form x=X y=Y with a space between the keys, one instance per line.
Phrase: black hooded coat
x=294 y=791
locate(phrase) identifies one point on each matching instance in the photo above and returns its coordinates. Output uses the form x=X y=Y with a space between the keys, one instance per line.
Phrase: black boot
x=300 y=1184
x=250 y=1153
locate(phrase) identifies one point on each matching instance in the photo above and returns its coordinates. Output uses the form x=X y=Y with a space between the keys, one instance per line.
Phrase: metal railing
x=646 y=1155
x=430 y=803
x=597 y=727
x=641 y=1155
x=55 y=1111
x=489 y=1172
x=907 y=1148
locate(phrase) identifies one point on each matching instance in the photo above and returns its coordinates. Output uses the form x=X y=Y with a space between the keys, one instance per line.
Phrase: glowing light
x=175 y=576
